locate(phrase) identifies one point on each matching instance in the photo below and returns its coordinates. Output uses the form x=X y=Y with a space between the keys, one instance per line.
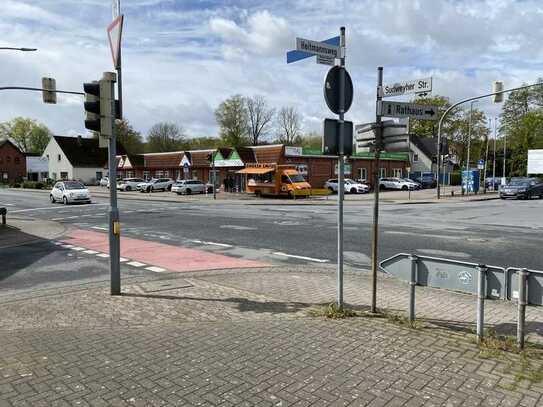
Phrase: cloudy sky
x=181 y=58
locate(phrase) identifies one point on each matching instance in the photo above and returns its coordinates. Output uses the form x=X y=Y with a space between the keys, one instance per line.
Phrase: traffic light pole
x=375 y=227
x=114 y=224
x=214 y=176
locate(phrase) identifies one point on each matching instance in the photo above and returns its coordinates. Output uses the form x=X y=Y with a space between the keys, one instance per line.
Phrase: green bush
x=33 y=185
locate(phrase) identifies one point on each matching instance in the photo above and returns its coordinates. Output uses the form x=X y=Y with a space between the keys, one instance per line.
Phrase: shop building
x=315 y=167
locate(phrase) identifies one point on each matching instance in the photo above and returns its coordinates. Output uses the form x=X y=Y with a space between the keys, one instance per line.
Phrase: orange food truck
x=273 y=179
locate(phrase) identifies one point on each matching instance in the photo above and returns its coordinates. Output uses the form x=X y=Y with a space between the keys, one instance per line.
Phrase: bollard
x=522 y=291
x=452 y=194
x=3 y=212
x=481 y=295
x=412 y=285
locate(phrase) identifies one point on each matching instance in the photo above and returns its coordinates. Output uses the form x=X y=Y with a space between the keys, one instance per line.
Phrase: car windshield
x=296 y=178
x=519 y=182
x=74 y=185
x=153 y=180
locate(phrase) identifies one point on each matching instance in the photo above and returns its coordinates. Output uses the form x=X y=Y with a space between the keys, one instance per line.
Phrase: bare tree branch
x=259 y=117
x=289 y=125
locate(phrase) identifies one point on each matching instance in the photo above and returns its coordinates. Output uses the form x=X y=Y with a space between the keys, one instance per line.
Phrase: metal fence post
x=481 y=294
x=522 y=300
x=412 y=285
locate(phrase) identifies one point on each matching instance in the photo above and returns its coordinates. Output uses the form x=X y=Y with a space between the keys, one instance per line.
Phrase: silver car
x=188 y=187
x=156 y=184
x=129 y=184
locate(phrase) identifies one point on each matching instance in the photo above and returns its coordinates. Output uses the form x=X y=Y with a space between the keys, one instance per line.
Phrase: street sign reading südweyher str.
x=412 y=110
x=408 y=87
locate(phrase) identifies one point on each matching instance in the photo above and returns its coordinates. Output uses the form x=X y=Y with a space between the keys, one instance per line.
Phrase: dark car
x=522 y=188
x=427 y=180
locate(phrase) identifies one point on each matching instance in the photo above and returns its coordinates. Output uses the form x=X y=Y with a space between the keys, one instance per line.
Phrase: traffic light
x=497 y=86
x=100 y=107
x=49 y=86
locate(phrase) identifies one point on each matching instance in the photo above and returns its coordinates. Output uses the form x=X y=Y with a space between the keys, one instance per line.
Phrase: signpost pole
x=341 y=155
x=374 y=241
x=214 y=176
x=481 y=295
x=494 y=158
x=522 y=301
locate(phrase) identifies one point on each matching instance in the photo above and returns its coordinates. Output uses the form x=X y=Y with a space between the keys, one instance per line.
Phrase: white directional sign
x=412 y=110
x=326 y=60
x=408 y=87
x=317 y=48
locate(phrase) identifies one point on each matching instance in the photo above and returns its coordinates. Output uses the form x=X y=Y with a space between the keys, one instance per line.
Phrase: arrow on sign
x=430 y=112
x=293 y=56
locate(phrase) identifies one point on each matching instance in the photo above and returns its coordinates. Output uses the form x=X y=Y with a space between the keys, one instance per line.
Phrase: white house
x=75 y=158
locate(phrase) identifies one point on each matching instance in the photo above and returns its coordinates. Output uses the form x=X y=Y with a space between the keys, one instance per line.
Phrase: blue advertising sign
x=470 y=181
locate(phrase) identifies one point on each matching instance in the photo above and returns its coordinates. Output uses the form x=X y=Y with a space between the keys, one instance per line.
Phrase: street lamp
x=19 y=49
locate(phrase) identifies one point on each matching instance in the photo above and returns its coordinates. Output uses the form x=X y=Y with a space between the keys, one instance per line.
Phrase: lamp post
x=19 y=49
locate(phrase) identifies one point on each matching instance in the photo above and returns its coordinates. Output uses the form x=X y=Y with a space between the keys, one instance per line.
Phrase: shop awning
x=255 y=170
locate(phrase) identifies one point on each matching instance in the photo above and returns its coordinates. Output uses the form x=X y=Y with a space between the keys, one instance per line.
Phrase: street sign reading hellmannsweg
x=408 y=87
x=412 y=110
x=317 y=48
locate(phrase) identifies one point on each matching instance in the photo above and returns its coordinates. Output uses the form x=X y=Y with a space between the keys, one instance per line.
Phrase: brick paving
x=240 y=338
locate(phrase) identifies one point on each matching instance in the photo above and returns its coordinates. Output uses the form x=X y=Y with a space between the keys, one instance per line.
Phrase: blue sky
x=182 y=58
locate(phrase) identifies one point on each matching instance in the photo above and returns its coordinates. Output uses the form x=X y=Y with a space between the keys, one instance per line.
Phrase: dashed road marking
x=55 y=219
x=98 y=228
x=67 y=246
x=122 y=259
x=102 y=255
x=77 y=249
x=155 y=269
x=301 y=257
x=90 y=251
x=237 y=227
x=211 y=243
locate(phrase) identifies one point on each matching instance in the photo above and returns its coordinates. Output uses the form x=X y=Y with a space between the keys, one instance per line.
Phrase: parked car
x=129 y=184
x=397 y=183
x=191 y=187
x=69 y=192
x=351 y=186
x=522 y=188
x=418 y=185
x=156 y=184
x=427 y=180
x=104 y=182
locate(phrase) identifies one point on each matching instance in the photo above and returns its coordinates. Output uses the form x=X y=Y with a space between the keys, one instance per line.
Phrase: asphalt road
x=500 y=233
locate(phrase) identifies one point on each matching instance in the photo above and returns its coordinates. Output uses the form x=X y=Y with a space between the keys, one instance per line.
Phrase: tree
x=288 y=123
x=311 y=140
x=131 y=140
x=259 y=117
x=231 y=116
x=165 y=137
x=27 y=134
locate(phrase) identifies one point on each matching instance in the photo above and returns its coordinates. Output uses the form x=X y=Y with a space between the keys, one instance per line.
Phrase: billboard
x=535 y=162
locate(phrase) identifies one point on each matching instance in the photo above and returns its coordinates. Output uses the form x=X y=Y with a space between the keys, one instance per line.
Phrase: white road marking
x=58 y=243
x=86 y=216
x=211 y=243
x=155 y=269
x=55 y=219
x=301 y=257
x=90 y=251
x=122 y=259
x=102 y=255
x=98 y=228
x=48 y=208
x=67 y=246
x=136 y=264
x=71 y=217
x=237 y=227
x=77 y=249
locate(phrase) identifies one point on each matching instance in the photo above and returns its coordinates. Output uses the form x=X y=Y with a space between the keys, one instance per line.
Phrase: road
x=501 y=233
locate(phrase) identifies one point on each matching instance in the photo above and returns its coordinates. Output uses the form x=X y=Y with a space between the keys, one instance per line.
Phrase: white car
x=129 y=184
x=104 y=182
x=397 y=183
x=191 y=187
x=69 y=192
x=156 y=184
x=351 y=186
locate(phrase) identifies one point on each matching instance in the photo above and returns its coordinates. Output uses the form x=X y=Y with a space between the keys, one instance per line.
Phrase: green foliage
x=311 y=140
x=232 y=118
x=332 y=311
x=131 y=140
x=33 y=185
x=456 y=178
x=164 y=137
x=27 y=134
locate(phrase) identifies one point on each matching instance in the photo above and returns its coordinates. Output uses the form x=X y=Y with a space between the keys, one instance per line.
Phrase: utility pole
x=375 y=228
x=494 y=158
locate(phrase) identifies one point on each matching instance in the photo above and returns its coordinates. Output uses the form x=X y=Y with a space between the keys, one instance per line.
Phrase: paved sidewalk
x=243 y=338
